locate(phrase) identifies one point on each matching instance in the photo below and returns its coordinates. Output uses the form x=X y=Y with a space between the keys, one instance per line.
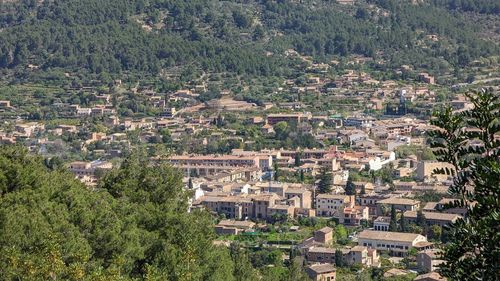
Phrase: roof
x=332 y=196
x=321 y=250
x=243 y=224
x=430 y=276
x=325 y=229
x=359 y=248
x=321 y=268
x=388 y=236
x=433 y=216
x=398 y=201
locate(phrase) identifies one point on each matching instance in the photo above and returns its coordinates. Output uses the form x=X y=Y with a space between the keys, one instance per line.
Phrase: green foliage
x=469 y=141
x=134 y=225
x=325 y=181
x=350 y=189
x=144 y=37
x=393 y=226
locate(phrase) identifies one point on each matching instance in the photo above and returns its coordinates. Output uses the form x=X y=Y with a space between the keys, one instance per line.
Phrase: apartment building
x=396 y=243
x=297 y=118
x=432 y=218
x=216 y=160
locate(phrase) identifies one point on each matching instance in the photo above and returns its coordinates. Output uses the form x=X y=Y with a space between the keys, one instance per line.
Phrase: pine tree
x=421 y=221
x=325 y=181
x=297 y=159
x=393 y=226
x=350 y=189
x=402 y=223
x=276 y=172
x=339 y=260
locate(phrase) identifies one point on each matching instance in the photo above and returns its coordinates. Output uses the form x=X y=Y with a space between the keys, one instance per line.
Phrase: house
x=303 y=194
x=382 y=223
x=320 y=254
x=396 y=243
x=324 y=235
x=402 y=204
x=429 y=260
x=322 y=272
x=329 y=205
x=425 y=170
x=354 y=215
x=364 y=256
x=233 y=227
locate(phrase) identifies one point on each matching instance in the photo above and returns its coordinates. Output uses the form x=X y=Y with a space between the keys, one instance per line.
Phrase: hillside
x=245 y=37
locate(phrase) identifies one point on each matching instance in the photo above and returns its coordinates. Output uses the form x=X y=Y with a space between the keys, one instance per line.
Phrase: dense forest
x=244 y=37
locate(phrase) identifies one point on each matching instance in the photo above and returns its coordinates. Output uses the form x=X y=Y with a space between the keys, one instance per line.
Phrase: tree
x=420 y=220
x=190 y=183
x=135 y=226
x=363 y=190
x=301 y=176
x=297 y=159
x=472 y=251
x=393 y=225
x=403 y=223
x=325 y=181
x=276 y=172
x=339 y=259
x=350 y=189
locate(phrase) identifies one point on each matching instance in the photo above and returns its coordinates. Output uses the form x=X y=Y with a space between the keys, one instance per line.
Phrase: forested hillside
x=246 y=37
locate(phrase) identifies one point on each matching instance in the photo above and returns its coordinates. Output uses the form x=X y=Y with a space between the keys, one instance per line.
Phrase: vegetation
x=146 y=37
x=134 y=226
x=469 y=141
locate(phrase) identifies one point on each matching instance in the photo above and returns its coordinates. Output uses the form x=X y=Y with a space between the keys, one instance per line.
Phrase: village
x=341 y=168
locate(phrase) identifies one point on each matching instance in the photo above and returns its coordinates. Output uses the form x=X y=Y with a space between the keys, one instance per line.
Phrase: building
x=297 y=118
x=320 y=254
x=4 y=104
x=432 y=218
x=364 y=256
x=322 y=272
x=354 y=215
x=330 y=205
x=431 y=276
x=396 y=243
x=304 y=195
x=233 y=207
x=215 y=160
x=425 y=170
x=324 y=235
x=382 y=223
x=429 y=260
x=233 y=227
x=402 y=204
